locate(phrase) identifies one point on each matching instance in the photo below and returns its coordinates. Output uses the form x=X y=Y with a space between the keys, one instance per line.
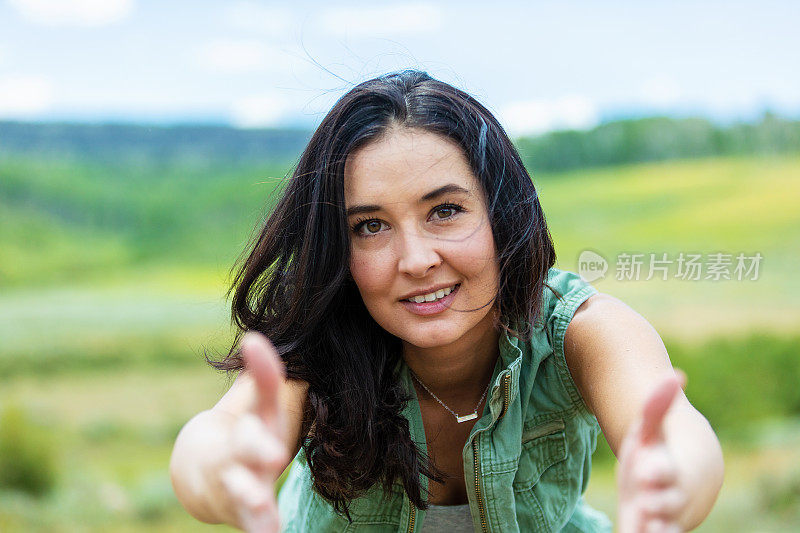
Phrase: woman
x=406 y=281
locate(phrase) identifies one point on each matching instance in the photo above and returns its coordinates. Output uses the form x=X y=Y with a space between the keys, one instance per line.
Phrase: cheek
x=371 y=273
x=477 y=257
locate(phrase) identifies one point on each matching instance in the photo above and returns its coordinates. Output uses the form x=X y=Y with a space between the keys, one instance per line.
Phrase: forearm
x=200 y=448
x=698 y=455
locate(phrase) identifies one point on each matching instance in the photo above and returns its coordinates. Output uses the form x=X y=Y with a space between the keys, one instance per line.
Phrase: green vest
x=527 y=459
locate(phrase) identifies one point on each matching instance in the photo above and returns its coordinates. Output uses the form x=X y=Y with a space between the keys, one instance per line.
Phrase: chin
x=432 y=338
x=426 y=342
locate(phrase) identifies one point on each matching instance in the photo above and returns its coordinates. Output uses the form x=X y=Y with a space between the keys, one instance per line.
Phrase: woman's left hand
x=651 y=498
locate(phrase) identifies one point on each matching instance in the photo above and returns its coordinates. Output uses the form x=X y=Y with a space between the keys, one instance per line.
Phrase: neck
x=459 y=372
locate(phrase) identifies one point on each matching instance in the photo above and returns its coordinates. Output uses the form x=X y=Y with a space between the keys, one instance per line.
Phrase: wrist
x=701 y=471
x=200 y=453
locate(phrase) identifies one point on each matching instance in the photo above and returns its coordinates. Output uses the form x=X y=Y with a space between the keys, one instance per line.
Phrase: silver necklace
x=459 y=419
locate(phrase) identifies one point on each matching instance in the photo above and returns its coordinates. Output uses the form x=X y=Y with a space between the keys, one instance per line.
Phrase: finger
x=246 y=490
x=629 y=519
x=681 y=377
x=656 y=407
x=253 y=444
x=253 y=498
x=654 y=468
x=655 y=525
x=665 y=504
x=658 y=525
x=262 y=360
x=265 y=520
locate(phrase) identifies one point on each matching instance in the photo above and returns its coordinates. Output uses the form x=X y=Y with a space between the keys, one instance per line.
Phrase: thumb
x=266 y=367
x=657 y=405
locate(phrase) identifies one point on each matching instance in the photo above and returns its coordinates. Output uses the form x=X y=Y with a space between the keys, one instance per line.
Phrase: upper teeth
x=430 y=297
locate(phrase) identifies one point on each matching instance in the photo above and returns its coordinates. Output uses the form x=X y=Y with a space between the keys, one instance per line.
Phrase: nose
x=418 y=255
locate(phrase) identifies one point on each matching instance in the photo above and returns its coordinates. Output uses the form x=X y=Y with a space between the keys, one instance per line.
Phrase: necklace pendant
x=464 y=418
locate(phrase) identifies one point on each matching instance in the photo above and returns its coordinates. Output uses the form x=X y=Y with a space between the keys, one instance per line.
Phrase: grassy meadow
x=113 y=280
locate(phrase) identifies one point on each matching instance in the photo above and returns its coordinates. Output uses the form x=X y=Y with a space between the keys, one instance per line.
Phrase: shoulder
x=563 y=293
x=616 y=358
x=605 y=334
x=599 y=311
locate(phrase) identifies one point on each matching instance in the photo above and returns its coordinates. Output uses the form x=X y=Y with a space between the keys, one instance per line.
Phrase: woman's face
x=422 y=251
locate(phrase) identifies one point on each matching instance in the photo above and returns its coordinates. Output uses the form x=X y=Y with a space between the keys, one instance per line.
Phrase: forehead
x=405 y=162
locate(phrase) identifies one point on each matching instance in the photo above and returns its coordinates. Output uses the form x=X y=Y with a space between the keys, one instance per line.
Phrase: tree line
x=612 y=143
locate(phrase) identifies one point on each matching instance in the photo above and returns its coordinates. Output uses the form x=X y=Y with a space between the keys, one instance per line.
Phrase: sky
x=538 y=65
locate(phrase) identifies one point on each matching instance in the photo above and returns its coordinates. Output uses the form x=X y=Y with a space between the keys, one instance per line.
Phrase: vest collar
x=505 y=378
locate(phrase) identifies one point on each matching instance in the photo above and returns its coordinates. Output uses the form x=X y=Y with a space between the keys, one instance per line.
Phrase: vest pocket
x=543 y=448
x=541 y=479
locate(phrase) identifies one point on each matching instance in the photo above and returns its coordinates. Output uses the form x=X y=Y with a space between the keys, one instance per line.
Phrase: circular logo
x=592 y=266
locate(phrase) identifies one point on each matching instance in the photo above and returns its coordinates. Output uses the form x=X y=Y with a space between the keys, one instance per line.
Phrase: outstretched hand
x=650 y=497
x=257 y=443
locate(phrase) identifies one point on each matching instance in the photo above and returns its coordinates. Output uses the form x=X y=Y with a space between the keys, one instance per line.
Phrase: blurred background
x=141 y=142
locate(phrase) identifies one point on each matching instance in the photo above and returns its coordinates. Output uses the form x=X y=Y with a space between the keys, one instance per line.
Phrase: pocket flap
x=543 y=446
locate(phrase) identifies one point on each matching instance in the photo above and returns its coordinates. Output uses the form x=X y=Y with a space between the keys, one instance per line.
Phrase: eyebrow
x=450 y=188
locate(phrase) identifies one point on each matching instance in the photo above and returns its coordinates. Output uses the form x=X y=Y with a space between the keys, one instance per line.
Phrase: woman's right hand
x=257 y=442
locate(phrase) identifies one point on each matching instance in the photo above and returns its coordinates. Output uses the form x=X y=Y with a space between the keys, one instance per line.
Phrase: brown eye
x=367 y=228
x=445 y=212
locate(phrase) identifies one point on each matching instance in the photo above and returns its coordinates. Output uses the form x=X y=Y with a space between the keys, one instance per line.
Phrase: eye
x=445 y=211
x=368 y=227
x=372 y=226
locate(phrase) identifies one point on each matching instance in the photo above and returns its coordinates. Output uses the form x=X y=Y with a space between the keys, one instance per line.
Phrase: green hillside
x=707 y=206
x=112 y=282
x=86 y=222
x=65 y=220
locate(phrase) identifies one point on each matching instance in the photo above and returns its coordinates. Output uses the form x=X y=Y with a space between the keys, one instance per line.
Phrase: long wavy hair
x=294 y=285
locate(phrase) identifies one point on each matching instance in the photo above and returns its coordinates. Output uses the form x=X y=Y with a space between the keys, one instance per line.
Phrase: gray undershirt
x=447 y=519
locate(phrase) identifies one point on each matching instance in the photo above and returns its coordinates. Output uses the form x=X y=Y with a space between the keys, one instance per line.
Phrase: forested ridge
x=611 y=143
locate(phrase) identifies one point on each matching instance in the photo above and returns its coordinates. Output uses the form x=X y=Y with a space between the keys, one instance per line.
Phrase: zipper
x=412 y=514
x=506 y=394
x=477 y=483
x=476 y=460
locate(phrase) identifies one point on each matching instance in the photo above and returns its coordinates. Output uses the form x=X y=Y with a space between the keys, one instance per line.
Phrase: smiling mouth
x=432 y=296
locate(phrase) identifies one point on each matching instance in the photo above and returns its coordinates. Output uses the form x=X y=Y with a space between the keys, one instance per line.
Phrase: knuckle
x=658 y=525
x=254 y=445
x=642 y=474
x=232 y=481
x=655 y=474
x=257 y=501
x=249 y=424
x=681 y=500
x=662 y=503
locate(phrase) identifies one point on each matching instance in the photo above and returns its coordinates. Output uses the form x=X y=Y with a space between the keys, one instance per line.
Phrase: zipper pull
x=412 y=516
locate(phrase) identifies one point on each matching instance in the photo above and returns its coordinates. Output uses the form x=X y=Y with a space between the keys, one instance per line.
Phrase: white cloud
x=275 y=21
x=383 y=20
x=239 y=56
x=259 y=111
x=532 y=117
x=73 y=12
x=782 y=95
x=661 y=91
x=24 y=96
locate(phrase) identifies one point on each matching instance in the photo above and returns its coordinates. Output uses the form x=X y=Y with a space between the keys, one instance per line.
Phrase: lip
x=431 y=308
x=423 y=292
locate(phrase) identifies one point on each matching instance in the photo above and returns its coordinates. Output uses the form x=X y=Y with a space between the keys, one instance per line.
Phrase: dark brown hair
x=294 y=285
